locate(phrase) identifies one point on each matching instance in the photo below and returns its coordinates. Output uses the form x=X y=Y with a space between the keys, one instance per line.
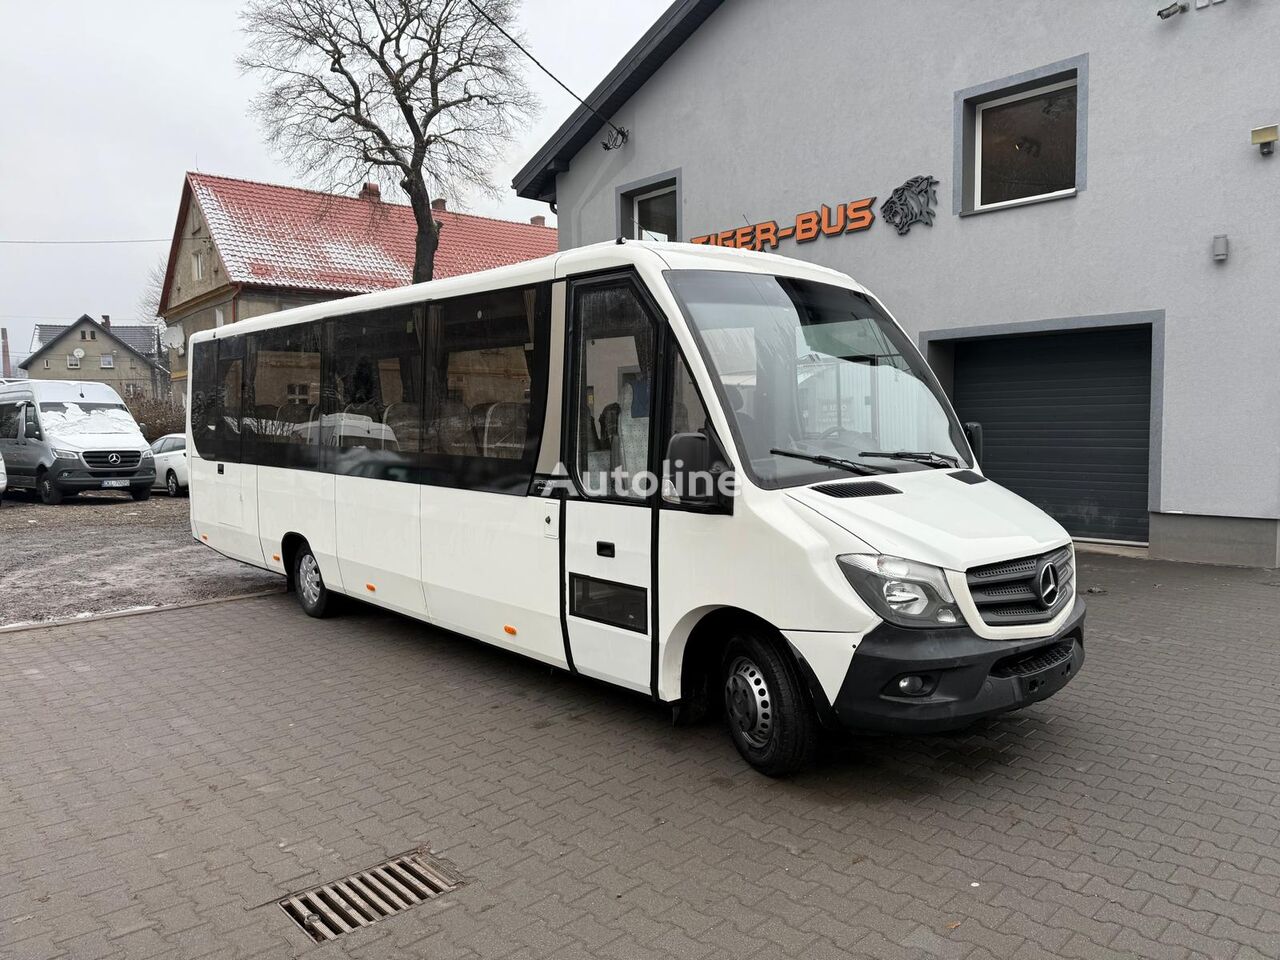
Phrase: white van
x=721 y=478
x=62 y=437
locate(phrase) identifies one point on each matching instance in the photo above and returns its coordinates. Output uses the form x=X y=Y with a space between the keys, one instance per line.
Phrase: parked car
x=3 y=481
x=60 y=437
x=170 y=452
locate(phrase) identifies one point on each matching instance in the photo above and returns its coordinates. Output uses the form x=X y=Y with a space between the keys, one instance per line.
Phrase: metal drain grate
x=328 y=911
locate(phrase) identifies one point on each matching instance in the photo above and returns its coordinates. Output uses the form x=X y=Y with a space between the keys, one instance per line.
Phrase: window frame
x=106 y=361
x=636 y=198
x=978 y=110
x=73 y=362
x=197 y=265
x=628 y=195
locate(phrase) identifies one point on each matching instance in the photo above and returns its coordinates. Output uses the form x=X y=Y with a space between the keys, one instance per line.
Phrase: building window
x=1022 y=139
x=107 y=361
x=73 y=362
x=46 y=363
x=197 y=265
x=93 y=334
x=84 y=334
x=297 y=394
x=217 y=317
x=650 y=210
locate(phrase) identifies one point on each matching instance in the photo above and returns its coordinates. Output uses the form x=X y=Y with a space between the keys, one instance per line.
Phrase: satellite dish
x=78 y=353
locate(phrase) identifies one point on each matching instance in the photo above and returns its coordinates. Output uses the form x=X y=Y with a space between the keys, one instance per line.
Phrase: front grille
x=1028 y=663
x=328 y=911
x=1008 y=593
x=101 y=459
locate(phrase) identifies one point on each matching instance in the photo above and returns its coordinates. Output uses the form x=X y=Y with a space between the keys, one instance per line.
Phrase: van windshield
x=68 y=418
x=815 y=370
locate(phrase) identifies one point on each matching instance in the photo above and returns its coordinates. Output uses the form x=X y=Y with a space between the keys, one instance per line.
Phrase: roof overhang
x=537 y=179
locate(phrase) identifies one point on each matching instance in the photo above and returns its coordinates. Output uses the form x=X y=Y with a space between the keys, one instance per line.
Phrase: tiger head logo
x=911 y=203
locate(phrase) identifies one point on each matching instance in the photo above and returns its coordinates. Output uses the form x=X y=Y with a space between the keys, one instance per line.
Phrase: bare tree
x=152 y=289
x=419 y=94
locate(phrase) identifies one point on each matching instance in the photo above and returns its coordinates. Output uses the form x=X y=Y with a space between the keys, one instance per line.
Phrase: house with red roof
x=242 y=249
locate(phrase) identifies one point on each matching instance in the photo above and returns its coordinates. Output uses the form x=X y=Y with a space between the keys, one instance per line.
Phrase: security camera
x=1172 y=10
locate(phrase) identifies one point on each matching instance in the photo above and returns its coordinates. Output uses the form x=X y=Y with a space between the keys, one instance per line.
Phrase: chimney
x=370 y=191
x=538 y=221
x=6 y=368
x=439 y=203
x=106 y=321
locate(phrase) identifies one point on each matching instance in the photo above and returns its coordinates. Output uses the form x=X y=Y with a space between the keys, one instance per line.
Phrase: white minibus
x=725 y=479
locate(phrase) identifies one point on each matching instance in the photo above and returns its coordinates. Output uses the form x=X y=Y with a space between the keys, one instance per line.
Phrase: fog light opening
x=913 y=685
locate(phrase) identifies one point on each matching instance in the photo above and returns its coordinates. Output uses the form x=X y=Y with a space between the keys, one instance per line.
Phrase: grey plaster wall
x=774 y=108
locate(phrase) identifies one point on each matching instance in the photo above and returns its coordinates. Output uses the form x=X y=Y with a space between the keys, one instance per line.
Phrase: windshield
x=817 y=370
x=84 y=417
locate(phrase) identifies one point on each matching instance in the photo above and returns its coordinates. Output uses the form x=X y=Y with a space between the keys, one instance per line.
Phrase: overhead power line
x=620 y=134
x=65 y=242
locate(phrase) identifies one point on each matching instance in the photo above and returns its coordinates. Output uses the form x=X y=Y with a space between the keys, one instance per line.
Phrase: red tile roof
x=275 y=236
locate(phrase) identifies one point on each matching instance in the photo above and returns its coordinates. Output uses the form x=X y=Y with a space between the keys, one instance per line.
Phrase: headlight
x=901 y=591
x=147 y=454
x=65 y=454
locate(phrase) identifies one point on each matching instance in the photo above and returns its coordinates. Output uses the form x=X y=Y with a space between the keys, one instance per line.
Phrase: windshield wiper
x=929 y=457
x=862 y=469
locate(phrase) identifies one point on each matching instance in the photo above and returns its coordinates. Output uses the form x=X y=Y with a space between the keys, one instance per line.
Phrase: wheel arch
x=696 y=648
x=290 y=544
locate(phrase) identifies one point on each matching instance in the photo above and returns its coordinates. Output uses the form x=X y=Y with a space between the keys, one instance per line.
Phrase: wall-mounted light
x=1265 y=138
x=1172 y=10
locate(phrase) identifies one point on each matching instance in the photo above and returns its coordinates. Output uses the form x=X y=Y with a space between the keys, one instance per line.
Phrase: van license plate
x=107 y=484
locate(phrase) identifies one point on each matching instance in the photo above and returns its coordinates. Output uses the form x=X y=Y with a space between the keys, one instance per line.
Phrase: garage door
x=1067 y=423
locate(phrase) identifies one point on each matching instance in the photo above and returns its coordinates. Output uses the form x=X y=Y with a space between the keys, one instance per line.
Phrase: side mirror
x=973 y=432
x=33 y=431
x=692 y=472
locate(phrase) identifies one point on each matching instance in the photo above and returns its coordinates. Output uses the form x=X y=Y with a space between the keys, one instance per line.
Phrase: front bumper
x=967 y=677
x=66 y=475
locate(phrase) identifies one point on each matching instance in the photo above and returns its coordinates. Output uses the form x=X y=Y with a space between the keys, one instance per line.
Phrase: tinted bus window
x=371 y=409
x=486 y=375
x=202 y=368
x=229 y=388
x=281 y=421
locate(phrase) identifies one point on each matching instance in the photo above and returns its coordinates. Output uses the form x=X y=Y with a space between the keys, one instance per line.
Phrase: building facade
x=242 y=249
x=125 y=357
x=1070 y=206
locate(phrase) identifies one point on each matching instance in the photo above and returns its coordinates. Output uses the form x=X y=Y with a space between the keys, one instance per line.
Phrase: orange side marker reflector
x=204 y=536
x=371 y=588
x=275 y=556
x=508 y=628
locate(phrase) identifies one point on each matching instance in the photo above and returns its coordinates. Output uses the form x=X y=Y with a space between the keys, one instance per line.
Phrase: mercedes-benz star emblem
x=1048 y=583
x=113 y=459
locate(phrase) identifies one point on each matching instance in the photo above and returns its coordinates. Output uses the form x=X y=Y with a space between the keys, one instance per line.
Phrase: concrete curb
x=121 y=614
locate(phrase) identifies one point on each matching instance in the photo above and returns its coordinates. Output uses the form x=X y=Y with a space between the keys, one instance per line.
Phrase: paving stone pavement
x=165 y=777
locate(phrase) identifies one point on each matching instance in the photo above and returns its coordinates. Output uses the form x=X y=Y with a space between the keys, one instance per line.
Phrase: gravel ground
x=102 y=552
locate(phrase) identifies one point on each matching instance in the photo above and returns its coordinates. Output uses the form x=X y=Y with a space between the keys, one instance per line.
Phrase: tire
x=171 y=484
x=313 y=596
x=771 y=720
x=140 y=493
x=49 y=493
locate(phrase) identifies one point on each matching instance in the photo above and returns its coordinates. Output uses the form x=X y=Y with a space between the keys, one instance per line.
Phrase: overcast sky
x=106 y=105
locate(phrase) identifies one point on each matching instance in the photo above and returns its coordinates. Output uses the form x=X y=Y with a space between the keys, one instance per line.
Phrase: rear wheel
x=49 y=493
x=171 y=484
x=313 y=595
x=772 y=723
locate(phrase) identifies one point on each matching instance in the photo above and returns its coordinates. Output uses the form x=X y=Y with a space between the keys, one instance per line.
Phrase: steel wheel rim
x=172 y=483
x=749 y=703
x=309 y=581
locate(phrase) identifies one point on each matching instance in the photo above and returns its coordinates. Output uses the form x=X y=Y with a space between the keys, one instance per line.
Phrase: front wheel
x=49 y=493
x=313 y=596
x=772 y=723
x=140 y=493
x=171 y=484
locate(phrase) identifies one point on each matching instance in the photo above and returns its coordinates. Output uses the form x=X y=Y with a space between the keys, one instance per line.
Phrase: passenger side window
x=486 y=386
x=204 y=397
x=613 y=394
x=9 y=420
x=282 y=397
x=230 y=386
x=372 y=391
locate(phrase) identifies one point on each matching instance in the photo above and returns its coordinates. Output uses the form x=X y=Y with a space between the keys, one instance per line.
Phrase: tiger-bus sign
x=826 y=221
x=908 y=204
